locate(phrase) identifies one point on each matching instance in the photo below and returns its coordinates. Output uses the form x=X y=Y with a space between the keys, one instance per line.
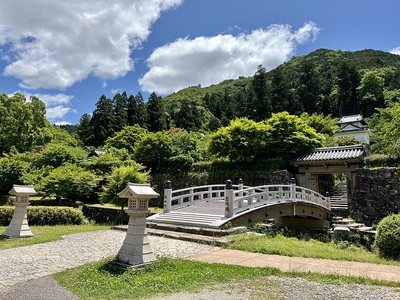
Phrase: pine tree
x=120 y=111
x=102 y=121
x=132 y=111
x=156 y=119
x=262 y=104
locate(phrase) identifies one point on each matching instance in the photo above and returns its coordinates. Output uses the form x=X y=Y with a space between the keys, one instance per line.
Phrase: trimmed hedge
x=44 y=215
x=388 y=237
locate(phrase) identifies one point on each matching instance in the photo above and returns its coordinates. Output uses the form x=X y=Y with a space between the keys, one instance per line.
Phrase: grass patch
x=102 y=280
x=44 y=234
x=281 y=245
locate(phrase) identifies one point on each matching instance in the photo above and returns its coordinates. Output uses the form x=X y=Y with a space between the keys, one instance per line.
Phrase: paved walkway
x=33 y=262
x=20 y=265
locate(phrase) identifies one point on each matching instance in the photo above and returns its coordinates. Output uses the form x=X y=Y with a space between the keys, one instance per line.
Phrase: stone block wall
x=376 y=194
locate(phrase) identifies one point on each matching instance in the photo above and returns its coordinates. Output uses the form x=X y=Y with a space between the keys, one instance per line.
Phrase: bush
x=388 y=237
x=42 y=215
x=6 y=213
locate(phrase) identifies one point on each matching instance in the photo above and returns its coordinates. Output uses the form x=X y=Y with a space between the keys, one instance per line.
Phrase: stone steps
x=185 y=219
x=352 y=225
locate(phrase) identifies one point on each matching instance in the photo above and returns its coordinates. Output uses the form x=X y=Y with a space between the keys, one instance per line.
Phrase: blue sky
x=69 y=53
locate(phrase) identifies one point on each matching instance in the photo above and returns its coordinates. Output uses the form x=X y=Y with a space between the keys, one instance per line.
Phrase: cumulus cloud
x=209 y=60
x=395 y=51
x=55 y=43
x=58 y=112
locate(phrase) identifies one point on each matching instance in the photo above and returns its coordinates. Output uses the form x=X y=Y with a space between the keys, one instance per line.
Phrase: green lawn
x=102 y=280
x=281 y=245
x=44 y=234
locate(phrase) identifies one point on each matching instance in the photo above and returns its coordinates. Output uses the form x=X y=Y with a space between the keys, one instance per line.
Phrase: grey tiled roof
x=351 y=119
x=333 y=153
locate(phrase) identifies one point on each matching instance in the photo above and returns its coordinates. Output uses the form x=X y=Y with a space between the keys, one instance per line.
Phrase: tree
x=280 y=91
x=141 y=110
x=154 y=151
x=120 y=111
x=242 y=141
x=325 y=125
x=347 y=83
x=371 y=91
x=132 y=111
x=289 y=136
x=85 y=130
x=262 y=103
x=69 y=182
x=308 y=87
x=119 y=179
x=126 y=138
x=156 y=119
x=23 y=124
x=12 y=168
x=385 y=136
x=102 y=121
x=55 y=155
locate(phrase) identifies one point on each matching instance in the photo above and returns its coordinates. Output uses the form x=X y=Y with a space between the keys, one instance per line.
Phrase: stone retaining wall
x=376 y=194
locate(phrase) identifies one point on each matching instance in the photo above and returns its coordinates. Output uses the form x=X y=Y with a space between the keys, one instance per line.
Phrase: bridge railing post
x=250 y=199
x=293 y=189
x=328 y=199
x=167 y=196
x=240 y=194
x=228 y=199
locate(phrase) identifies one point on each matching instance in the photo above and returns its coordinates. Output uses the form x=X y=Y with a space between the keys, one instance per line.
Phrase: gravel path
x=274 y=288
x=19 y=265
x=36 y=261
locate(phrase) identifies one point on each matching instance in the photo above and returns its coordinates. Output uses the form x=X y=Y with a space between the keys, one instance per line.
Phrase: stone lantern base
x=136 y=250
x=19 y=227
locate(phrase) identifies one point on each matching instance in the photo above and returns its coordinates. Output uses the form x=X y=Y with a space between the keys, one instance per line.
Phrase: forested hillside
x=239 y=128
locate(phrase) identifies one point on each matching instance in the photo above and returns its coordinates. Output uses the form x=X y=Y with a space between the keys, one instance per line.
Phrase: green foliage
x=345 y=141
x=154 y=151
x=385 y=136
x=6 y=214
x=289 y=135
x=381 y=160
x=43 y=215
x=23 y=124
x=55 y=155
x=103 y=164
x=69 y=182
x=126 y=138
x=12 y=168
x=243 y=140
x=119 y=179
x=388 y=237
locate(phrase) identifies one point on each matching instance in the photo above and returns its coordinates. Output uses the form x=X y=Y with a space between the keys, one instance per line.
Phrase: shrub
x=388 y=237
x=69 y=182
x=42 y=215
x=119 y=179
x=6 y=213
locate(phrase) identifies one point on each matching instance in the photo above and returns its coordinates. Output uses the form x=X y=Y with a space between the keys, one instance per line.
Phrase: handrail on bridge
x=239 y=197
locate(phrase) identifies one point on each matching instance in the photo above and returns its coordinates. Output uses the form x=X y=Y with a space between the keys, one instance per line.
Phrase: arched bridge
x=215 y=206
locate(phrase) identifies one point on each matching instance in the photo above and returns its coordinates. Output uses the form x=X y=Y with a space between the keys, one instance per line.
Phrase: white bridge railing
x=239 y=198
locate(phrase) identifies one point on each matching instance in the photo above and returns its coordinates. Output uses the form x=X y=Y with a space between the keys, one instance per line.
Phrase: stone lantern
x=19 y=227
x=136 y=250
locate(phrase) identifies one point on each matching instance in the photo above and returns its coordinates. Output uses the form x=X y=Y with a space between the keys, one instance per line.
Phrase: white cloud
x=210 y=60
x=395 y=51
x=58 y=112
x=55 y=43
x=51 y=100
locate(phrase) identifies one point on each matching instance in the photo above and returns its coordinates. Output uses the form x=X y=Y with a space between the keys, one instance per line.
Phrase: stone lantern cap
x=22 y=190
x=137 y=191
